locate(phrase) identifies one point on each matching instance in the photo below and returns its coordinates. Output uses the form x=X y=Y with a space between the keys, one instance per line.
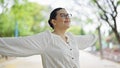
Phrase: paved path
x=87 y=60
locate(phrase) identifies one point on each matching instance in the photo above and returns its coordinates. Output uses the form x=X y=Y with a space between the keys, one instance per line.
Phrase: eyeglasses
x=63 y=15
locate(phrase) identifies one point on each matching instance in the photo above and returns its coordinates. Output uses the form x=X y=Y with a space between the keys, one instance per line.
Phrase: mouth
x=66 y=21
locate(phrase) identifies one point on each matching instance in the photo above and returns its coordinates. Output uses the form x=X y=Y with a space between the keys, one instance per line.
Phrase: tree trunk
x=117 y=35
x=100 y=42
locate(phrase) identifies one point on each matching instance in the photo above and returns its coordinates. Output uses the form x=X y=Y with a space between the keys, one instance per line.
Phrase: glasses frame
x=64 y=16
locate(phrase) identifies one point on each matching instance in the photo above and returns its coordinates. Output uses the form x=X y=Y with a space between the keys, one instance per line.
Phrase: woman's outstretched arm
x=85 y=41
x=22 y=46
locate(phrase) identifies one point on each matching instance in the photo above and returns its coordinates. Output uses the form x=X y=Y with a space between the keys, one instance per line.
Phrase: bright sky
x=55 y=3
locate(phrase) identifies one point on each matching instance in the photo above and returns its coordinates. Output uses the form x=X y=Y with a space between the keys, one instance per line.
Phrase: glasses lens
x=69 y=15
x=65 y=15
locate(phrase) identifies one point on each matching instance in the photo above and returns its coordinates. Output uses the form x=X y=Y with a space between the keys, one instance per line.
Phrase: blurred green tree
x=76 y=30
x=27 y=15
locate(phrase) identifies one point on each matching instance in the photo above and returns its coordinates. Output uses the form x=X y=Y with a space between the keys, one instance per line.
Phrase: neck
x=59 y=32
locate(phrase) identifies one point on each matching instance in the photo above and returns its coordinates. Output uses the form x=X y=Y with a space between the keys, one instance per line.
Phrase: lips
x=66 y=21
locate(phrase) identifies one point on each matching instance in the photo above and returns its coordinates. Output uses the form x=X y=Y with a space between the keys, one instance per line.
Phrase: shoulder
x=44 y=33
x=82 y=36
x=70 y=35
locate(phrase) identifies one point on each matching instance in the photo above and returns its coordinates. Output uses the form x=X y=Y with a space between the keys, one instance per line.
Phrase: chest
x=59 y=48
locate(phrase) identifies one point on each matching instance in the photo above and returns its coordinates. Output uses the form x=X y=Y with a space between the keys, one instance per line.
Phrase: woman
x=58 y=49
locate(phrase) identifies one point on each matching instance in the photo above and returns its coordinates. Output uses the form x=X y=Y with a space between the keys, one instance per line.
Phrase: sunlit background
x=28 y=17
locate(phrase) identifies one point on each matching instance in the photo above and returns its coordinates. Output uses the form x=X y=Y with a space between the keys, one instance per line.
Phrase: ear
x=53 y=22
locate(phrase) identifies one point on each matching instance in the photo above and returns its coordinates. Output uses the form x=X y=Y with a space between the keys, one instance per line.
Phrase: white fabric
x=55 y=52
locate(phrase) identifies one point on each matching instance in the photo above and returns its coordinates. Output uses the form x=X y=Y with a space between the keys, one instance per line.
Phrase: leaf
x=16 y=1
x=118 y=3
x=1 y=1
x=93 y=1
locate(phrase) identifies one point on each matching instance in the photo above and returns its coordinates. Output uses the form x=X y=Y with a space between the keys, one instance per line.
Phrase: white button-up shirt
x=55 y=52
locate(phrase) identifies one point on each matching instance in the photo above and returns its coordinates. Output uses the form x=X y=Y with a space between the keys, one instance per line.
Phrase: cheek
x=59 y=19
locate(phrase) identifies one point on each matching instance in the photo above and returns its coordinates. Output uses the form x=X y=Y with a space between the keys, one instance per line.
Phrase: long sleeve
x=22 y=46
x=85 y=41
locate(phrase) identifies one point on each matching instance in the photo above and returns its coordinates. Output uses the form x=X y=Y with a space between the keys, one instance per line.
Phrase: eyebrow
x=63 y=13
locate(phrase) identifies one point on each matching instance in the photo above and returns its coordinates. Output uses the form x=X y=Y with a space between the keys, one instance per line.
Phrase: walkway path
x=87 y=60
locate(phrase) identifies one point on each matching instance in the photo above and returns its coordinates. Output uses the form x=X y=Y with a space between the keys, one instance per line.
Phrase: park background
x=99 y=17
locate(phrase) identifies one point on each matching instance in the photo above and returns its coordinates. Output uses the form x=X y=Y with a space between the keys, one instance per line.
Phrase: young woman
x=58 y=49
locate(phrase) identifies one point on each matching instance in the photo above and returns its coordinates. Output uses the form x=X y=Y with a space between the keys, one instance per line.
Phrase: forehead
x=62 y=11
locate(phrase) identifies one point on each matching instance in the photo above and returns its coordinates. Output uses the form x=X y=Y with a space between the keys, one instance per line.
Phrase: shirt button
x=72 y=58
x=73 y=67
x=70 y=49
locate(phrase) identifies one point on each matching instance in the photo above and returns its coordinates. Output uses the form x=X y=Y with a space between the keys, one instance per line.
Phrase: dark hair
x=53 y=15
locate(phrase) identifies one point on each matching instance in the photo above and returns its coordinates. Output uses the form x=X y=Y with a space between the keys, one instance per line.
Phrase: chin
x=67 y=27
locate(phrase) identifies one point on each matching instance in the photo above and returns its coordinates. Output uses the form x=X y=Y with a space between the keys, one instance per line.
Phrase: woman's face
x=62 y=20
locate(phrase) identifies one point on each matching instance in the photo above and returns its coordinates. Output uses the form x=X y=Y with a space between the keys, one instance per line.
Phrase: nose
x=67 y=17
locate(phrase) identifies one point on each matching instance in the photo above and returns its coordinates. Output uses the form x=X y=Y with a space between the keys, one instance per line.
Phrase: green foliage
x=88 y=20
x=16 y=1
x=76 y=30
x=118 y=3
x=1 y=1
x=93 y=1
x=97 y=46
x=6 y=25
x=28 y=15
